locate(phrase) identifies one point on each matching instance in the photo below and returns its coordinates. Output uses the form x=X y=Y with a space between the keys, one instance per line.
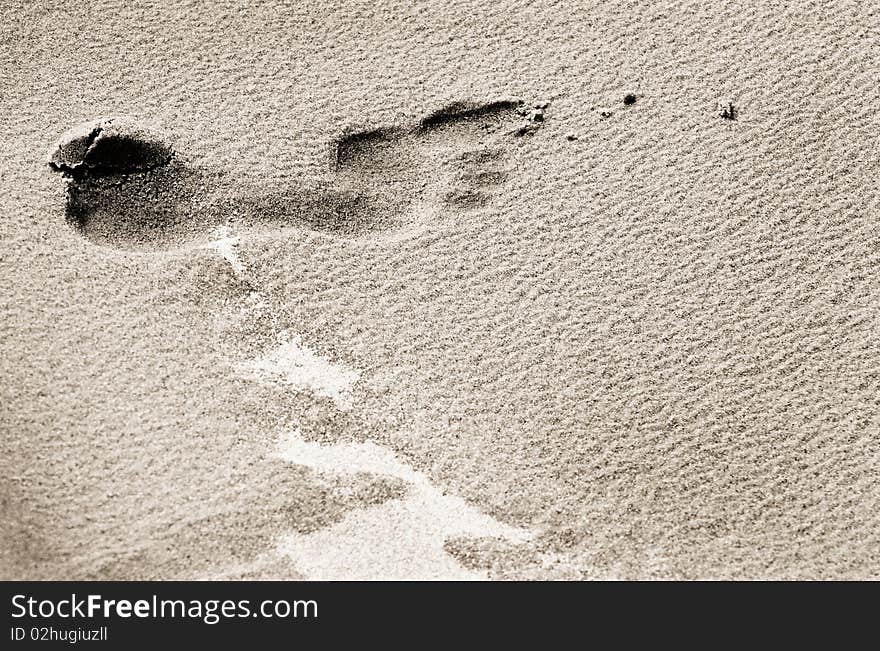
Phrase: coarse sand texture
x=440 y=290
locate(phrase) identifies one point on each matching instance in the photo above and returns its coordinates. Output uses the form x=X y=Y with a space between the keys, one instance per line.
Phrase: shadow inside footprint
x=175 y=206
x=346 y=213
x=466 y=199
x=372 y=149
x=455 y=155
x=462 y=112
x=162 y=208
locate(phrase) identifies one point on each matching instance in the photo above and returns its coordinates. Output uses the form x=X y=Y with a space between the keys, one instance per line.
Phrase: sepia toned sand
x=419 y=296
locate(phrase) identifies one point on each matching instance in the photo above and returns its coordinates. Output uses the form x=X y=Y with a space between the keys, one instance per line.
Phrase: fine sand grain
x=445 y=290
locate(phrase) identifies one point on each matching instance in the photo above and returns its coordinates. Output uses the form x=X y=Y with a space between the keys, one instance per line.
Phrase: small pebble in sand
x=629 y=99
x=111 y=145
x=729 y=111
x=534 y=114
x=571 y=137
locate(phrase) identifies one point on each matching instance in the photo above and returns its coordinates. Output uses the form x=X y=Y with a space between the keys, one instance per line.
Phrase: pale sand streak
x=291 y=361
x=297 y=365
x=400 y=539
x=225 y=244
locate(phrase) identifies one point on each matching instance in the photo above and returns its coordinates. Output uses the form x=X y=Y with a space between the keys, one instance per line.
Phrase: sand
x=420 y=296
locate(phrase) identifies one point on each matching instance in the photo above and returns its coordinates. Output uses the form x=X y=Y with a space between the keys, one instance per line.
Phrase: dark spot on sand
x=729 y=112
x=629 y=99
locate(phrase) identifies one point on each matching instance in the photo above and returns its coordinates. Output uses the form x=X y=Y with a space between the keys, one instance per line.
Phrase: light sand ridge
x=299 y=366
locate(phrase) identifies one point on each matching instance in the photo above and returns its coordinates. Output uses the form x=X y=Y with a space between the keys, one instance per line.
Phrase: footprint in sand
x=127 y=188
x=457 y=154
